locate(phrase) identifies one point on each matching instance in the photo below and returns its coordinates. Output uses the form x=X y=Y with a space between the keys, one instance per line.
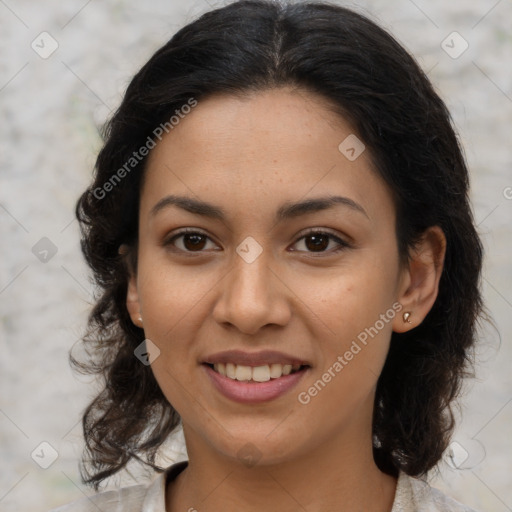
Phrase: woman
x=280 y=226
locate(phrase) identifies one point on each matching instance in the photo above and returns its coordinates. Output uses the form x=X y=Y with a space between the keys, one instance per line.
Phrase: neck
x=339 y=472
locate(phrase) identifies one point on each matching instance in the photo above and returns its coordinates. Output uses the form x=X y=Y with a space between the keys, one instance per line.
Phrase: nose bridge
x=251 y=273
x=250 y=297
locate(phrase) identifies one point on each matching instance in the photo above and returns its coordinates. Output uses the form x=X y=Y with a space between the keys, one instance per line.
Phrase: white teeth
x=276 y=370
x=256 y=373
x=230 y=370
x=243 y=372
x=261 y=373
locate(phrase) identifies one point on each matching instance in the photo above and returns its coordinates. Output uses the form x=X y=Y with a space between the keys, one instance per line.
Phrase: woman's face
x=252 y=278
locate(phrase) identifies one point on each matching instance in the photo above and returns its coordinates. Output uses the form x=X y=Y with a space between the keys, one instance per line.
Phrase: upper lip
x=254 y=358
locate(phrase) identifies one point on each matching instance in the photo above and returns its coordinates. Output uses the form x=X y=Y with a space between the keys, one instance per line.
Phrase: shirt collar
x=154 y=500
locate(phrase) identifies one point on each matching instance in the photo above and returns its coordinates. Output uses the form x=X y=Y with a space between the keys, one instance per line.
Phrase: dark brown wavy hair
x=370 y=80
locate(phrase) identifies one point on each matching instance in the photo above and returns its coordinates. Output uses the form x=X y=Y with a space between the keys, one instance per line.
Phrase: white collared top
x=412 y=495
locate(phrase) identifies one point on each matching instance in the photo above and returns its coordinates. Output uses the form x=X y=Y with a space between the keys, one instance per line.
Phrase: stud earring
x=406 y=317
x=140 y=319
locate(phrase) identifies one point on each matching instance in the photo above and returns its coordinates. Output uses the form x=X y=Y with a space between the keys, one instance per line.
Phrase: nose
x=252 y=295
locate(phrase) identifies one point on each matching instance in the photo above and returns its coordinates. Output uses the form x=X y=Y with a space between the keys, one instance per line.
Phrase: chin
x=261 y=448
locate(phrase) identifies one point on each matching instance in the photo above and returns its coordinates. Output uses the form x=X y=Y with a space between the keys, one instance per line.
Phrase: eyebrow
x=286 y=211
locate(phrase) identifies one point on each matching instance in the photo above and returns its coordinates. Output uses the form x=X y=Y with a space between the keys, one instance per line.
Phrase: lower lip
x=254 y=392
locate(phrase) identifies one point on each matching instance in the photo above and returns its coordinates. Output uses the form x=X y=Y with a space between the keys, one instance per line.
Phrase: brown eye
x=192 y=241
x=318 y=241
x=315 y=242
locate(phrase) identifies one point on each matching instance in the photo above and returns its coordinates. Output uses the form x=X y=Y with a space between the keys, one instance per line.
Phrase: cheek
x=348 y=300
x=350 y=314
x=171 y=294
x=172 y=304
x=352 y=353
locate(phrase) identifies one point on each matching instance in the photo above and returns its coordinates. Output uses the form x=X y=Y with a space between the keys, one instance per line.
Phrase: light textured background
x=51 y=109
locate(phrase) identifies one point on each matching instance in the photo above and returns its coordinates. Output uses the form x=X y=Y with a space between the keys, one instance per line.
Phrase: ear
x=132 y=294
x=420 y=279
x=132 y=301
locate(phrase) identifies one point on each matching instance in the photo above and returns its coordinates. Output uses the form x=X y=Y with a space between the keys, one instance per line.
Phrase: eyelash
x=342 y=243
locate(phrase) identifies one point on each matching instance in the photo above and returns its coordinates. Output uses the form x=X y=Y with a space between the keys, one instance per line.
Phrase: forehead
x=262 y=150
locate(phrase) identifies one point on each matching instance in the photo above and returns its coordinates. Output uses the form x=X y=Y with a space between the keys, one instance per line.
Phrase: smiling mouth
x=262 y=373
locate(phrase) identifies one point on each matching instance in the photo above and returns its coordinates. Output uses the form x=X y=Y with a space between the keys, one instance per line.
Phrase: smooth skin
x=249 y=156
